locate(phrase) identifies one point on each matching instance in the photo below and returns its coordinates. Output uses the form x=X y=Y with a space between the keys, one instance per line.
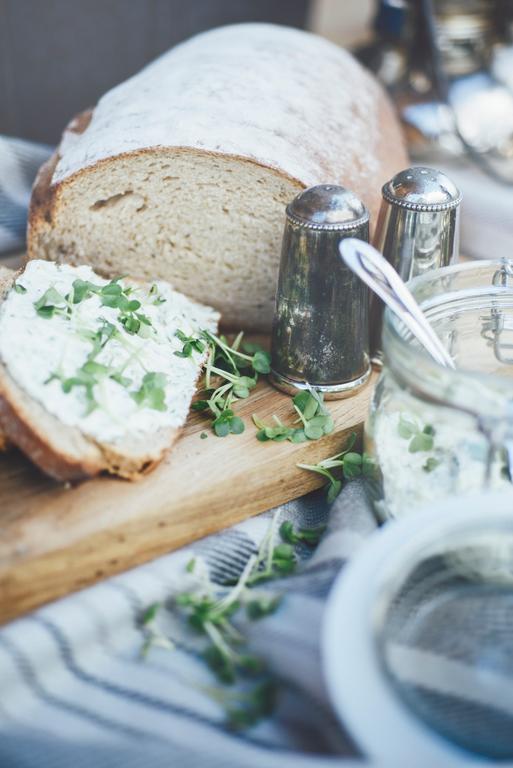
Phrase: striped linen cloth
x=19 y=162
x=75 y=691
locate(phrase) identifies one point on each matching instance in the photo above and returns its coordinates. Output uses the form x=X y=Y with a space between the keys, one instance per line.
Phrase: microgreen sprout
x=19 y=288
x=421 y=438
x=314 y=421
x=115 y=296
x=153 y=635
x=230 y=375
x=50 y=303
x=430 y=464
x=350 y=463
x=227 y=423
x=155 y=295
x=309 y=536
x=190 y=344
x=152 y=392
x=210 y=611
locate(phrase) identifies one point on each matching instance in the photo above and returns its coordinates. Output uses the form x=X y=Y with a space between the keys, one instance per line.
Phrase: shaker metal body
x=417 y=230
x=320 y=331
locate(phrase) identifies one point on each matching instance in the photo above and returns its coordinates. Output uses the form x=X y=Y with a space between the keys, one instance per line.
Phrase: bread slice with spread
x=89 y=378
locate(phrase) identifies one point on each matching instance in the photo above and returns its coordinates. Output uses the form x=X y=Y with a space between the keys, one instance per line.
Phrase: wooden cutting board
x=55 y=540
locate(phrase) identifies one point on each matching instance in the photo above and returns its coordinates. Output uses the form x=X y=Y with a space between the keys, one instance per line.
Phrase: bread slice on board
x=89 y=381
x=184 y=171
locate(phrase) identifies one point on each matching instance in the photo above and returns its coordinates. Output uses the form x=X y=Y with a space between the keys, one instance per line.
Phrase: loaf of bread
x=184 y=171
x=89 y=381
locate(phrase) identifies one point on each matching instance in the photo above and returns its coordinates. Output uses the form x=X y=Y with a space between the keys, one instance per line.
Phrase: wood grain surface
x=55 y=540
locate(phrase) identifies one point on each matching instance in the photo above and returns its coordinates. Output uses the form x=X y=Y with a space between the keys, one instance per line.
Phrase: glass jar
x=432 y=431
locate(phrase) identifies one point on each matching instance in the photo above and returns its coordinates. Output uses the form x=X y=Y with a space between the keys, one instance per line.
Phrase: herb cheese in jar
x=433 y=431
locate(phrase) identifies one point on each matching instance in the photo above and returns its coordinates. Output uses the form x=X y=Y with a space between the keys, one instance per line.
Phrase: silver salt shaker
x=417 y=230
x=320 y=331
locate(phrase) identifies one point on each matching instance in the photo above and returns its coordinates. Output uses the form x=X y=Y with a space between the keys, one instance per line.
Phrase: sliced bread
x=89 y=381
x=184 y=171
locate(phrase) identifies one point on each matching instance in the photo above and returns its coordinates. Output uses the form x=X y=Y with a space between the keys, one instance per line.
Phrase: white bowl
x=364 y=699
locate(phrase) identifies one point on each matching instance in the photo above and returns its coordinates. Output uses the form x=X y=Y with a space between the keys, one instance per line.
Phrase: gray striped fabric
x=19 y=162
x=75 y=692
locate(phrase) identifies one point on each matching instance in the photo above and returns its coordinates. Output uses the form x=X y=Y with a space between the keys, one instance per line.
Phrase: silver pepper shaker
x=320 y=331
x=417 y=230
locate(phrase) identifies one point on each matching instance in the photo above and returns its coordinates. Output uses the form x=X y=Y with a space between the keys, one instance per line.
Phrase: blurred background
x=447 y=64
x=59 y=56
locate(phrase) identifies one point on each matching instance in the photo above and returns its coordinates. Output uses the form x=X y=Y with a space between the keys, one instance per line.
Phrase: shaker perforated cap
x=327 y=206
x=422 y=189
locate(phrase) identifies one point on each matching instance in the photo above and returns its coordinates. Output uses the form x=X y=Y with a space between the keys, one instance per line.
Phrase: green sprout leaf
x=50 y=303
x=152 y=393
x=151 y=613
x=314 y=418
x=190 y=344
x=348 y=464
x=406 y=428
x=309 y=536
x=154 y=294
x=262 y=606
x=227 y=423
x=261 y=362
x=431 y=464
x=421 y=439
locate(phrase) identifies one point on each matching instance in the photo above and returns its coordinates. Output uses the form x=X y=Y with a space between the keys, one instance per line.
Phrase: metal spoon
x=375 y=271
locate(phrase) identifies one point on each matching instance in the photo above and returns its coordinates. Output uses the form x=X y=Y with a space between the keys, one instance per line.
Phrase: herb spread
x=98 y=354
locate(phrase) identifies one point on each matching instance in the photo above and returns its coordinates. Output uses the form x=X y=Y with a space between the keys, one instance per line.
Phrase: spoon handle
x=375 y=271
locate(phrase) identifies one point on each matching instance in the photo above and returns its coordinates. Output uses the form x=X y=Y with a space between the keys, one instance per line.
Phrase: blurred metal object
x=455 y=87
x=320 y=331
x=376 y=272
x=417 y=230
x=497 y=328
x=464 y=34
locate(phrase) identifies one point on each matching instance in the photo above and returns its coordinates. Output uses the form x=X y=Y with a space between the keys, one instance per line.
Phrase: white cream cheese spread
x=43 y=352
x=452 y=460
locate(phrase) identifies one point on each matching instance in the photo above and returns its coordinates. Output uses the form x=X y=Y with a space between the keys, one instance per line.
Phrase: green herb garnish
x=350 y=463
x=115 y=296
x=210 y=610
x=19 y=288
x=152 y=392
x=154 y=637
x=157 y=298
x=230 y=375
x=431 y=464
x=50 y=303
x=227 y=423
x=315 y=420
x=421 y=438
x=309 y=536
x=190 y=344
